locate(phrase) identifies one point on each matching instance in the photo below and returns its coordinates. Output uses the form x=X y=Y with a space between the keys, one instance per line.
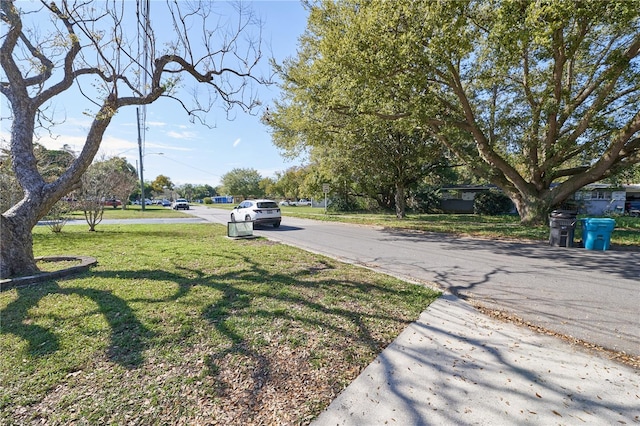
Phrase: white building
x=601 y=198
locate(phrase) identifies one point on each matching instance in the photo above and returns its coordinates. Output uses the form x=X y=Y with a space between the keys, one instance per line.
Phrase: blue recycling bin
x=596 y=233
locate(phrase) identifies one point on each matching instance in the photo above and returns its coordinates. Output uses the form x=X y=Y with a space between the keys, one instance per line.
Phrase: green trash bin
x=596 y=233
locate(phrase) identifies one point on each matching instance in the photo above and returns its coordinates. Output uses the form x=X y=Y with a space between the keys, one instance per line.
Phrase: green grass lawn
x=135 y=212
x=179 y=325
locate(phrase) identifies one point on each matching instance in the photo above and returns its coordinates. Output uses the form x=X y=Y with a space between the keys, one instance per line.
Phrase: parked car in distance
x=180 y=203
x=300 y=202
x=261 y=212
x=112 y=202
x=165 y=202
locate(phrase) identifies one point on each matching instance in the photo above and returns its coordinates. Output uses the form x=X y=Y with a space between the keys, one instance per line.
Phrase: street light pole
x=142 y=198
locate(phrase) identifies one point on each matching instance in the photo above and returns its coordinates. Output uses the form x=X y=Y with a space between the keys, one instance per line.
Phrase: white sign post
x=325 y=189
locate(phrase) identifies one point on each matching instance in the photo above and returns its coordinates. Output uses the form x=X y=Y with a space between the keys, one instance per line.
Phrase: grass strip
x=134 y=212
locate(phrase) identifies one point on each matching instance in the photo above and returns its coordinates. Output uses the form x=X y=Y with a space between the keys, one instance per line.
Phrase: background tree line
x=537 y=98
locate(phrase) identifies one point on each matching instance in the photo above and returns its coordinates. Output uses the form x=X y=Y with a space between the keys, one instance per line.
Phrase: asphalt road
x=590 y=295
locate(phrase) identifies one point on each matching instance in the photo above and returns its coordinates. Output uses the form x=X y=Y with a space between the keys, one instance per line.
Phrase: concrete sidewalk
x=457 y=366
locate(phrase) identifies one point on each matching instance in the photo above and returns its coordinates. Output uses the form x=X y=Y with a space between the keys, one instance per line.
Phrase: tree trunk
x=532 y=210
x=400 y=201
x=16 y=247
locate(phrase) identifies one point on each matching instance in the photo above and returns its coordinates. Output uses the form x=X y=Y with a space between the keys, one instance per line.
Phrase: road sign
x=325 y=188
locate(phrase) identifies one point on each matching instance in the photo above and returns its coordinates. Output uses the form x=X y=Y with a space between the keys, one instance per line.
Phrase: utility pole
x=144 y=33
x=142 y=197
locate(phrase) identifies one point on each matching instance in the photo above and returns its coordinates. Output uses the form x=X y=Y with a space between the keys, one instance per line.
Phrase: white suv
x=258 y=211
x=180 y=203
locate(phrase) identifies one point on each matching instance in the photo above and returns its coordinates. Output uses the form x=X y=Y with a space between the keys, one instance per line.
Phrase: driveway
x=590 y=295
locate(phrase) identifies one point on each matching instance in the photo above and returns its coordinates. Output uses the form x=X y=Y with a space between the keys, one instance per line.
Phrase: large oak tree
x=538 y=98
x=243 y=182
x=94 y=49
x=358 y=153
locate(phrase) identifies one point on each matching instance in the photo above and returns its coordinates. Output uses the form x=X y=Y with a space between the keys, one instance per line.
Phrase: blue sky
x=193 y=153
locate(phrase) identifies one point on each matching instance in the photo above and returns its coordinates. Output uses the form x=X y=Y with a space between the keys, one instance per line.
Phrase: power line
x=190 y=166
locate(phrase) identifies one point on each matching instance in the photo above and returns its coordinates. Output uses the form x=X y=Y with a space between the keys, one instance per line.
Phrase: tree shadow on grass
x=283 y=296
x=39 y=339
x=128 y=334
x=307 y=296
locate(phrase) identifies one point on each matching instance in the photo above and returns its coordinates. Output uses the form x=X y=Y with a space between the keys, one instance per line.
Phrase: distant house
x=595 y=199
x=601 y=198
x=459 y=198
x=222 y=199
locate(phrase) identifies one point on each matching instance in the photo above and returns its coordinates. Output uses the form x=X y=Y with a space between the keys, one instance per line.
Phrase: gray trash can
x=562 y=227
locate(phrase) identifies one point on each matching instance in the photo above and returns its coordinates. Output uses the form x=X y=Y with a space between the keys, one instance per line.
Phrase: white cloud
x=181 y=135
x=269 y=172
x=155 y=124
x=80 y=124
x=57 y=142
x=5 y=137
x=163 y=147
x=236 y=142
x=114 y=143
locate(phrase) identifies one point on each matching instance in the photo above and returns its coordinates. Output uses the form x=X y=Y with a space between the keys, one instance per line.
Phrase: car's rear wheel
x=247 y=218
x=276 y=225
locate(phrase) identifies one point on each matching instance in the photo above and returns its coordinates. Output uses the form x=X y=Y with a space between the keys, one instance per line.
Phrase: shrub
x=492 y=203
x=342 y=204
x=426 y=201
x=59 y=215
x=208 y=200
